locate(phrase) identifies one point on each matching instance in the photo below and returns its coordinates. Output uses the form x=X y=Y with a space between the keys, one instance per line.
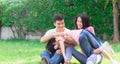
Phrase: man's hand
x=58 y=34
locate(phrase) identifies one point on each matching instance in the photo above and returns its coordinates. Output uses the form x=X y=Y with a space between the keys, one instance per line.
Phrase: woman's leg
x=88 y=42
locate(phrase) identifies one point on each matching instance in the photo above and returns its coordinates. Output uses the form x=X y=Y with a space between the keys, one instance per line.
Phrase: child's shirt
x=75 y=34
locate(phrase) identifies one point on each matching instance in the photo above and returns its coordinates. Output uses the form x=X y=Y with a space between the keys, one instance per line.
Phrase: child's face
x=55 y=43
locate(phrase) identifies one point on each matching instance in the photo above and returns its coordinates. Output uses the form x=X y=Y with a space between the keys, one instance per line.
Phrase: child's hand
x=56 y=47
x=59 y=51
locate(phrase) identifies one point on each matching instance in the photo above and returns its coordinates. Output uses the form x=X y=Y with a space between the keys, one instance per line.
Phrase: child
x=50 y=47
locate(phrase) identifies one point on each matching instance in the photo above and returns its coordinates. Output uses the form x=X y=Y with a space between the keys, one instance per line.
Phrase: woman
x=82 y=22
x=86 y=39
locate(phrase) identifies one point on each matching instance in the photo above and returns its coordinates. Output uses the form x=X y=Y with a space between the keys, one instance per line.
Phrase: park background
x=23 y=21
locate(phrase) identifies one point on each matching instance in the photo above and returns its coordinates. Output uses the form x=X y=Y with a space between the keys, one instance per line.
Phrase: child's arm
x=62 y=47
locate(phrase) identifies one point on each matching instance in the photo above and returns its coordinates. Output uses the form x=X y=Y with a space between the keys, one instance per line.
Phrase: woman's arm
x=70 y=40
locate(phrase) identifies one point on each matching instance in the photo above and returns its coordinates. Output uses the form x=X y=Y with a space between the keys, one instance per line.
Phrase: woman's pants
x=88 y=42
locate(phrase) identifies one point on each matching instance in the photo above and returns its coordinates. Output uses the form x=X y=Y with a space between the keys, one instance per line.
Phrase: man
x=52 y=33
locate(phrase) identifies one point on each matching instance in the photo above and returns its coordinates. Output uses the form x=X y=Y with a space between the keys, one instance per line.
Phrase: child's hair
x=50 y=45
x=58 y=17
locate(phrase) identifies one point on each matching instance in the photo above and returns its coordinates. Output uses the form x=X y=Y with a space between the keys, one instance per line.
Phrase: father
x=59 y=27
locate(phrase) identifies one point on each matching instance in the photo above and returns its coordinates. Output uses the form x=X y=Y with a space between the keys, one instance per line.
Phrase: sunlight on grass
x=27 y=52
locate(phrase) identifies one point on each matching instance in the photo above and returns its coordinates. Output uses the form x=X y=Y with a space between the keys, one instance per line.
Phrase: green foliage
x=37 y=14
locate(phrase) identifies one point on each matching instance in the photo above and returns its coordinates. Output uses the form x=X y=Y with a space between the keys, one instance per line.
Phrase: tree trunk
x=0 y=28
x=115 y=21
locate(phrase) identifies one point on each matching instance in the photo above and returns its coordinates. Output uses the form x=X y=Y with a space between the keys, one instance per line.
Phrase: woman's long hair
x=85 y=21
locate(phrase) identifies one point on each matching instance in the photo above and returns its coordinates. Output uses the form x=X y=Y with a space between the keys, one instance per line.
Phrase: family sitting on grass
x=61 y=43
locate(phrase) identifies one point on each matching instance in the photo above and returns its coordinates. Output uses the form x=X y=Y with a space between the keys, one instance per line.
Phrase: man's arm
x=46 y=38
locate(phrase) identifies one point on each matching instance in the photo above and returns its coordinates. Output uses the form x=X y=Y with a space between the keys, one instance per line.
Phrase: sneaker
x=44 y=61
x=107 y=47
x=94 y=59
x=114 y=62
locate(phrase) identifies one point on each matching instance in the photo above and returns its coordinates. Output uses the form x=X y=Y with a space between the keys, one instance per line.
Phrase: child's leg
x=107 y=47
x=62 y=47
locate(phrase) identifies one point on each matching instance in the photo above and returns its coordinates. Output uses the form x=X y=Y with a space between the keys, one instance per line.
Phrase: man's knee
x=44 y=53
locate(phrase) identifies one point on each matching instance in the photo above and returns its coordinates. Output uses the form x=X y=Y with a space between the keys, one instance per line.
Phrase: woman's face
x=79 y=23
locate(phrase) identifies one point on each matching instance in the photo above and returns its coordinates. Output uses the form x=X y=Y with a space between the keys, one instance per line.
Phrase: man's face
x=59 y=24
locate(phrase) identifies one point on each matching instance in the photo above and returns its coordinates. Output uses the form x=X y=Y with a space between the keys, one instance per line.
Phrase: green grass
x=27 y=52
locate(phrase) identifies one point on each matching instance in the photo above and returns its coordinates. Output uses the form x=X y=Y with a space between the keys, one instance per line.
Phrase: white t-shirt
x=53 y=31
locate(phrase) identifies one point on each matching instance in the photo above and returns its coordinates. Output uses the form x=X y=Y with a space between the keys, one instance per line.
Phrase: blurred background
x=26 y=18
x=24 y=21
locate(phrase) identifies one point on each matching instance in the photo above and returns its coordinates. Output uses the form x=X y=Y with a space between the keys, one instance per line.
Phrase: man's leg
x=55 y=59
x=45 y=57
x=71 y=51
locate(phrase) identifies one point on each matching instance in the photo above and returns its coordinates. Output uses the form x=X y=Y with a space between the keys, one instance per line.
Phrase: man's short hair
x=58 y=17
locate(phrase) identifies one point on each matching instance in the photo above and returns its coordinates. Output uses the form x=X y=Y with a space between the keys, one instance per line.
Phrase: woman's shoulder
x=90 y=28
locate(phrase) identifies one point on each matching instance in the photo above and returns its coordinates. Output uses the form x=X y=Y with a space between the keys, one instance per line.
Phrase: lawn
x=28 y=51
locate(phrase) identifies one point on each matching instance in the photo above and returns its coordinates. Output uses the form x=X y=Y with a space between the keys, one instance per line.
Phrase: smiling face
x=59 y=24
x=82 y=21
x=79 y=23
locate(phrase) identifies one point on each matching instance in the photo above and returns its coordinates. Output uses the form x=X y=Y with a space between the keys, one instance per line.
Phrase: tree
x=115 y=20
x=0 y=19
